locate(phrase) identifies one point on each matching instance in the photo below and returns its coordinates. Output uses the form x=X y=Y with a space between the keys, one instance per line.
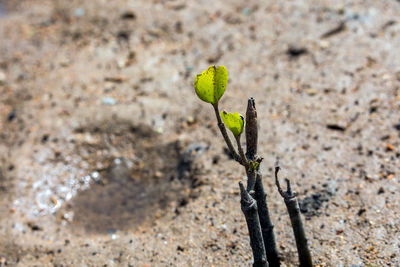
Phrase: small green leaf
x=253 y=165
x=234 y=122
x=210 y=85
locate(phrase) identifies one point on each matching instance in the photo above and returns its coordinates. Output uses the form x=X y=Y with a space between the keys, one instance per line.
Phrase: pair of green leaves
x=210 y=86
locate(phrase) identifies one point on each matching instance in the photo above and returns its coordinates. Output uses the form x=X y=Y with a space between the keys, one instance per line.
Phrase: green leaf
x=221 y=80
x=210 y=85
x=253 y=165
x=234 y=122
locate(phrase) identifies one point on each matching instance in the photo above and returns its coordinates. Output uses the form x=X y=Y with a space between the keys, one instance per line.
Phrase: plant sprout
x=210 y=86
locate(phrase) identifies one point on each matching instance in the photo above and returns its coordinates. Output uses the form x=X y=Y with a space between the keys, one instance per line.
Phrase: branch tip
x=289 y=188
x=241 y=186
x=251 y=129
x=252 y=102
x=277 y=168
x=288 y=194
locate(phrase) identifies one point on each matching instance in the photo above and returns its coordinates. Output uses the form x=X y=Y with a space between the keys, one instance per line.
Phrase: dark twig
x=254 y=182
x=292 y=206
x=244 y=162
x=251 y=129
x=249 y=208
x=228 y=142
x=265 y=221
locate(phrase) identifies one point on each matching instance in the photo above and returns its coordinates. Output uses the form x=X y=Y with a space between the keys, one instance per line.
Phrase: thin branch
x=244 y=162
x=278 y=185
x=249 y=209
x=293 y=208
x=289 y=189
x=222 y=128
x=289 y=193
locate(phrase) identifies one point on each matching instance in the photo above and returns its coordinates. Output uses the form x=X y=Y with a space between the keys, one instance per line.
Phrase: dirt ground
x=108 y=158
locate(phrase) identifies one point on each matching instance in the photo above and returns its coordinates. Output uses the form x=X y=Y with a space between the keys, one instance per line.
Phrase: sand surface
x=108 y=158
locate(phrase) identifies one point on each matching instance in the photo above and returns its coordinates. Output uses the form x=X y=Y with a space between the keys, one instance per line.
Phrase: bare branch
x=288 y=194
x=278 y=185
x=251 y=129
x=249 y=208
x=293 y=209
x=244 y=162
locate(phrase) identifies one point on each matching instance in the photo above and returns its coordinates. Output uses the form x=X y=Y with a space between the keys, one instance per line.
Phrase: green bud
x=253 y=165
x=234 y=122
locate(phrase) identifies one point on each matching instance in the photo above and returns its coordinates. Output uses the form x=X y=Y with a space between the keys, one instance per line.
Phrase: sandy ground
x=107 y=157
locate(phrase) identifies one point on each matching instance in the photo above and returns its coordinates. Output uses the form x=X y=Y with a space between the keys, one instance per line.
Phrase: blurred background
x=107 y=156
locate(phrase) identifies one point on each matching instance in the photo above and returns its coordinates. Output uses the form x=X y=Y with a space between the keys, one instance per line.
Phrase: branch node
x=288 y=194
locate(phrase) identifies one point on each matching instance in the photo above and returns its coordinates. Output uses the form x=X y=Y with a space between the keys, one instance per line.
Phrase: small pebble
x=160 y=130
x=79 y=12
x=311 y=92
x=128 y=15
x=324 y=44
x=246 y=11
x=108 y=101
x=2 y=77
x=189 y=68
x=389 y=147
x=11 y=116
x=3 y=261
x=190 y=120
